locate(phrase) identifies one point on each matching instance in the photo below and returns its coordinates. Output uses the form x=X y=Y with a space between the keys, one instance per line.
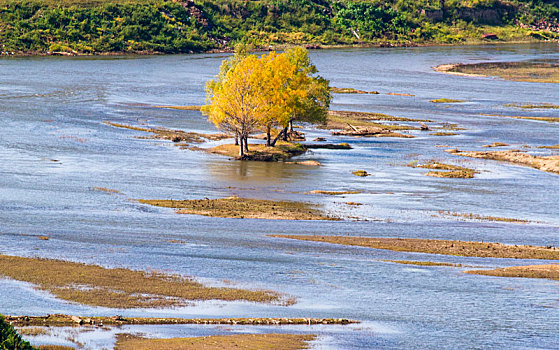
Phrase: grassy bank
x=164 y=26
x=118 y=288
x=433 y=246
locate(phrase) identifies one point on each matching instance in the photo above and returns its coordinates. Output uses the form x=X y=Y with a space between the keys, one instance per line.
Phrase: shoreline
x=280 y=47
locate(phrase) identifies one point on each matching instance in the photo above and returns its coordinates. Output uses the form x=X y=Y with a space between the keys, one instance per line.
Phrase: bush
x=9 y=339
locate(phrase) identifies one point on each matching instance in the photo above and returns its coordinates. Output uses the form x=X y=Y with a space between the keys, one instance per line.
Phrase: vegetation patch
x=550 y=147
x=340 y=119
x=244 y=208
x=550 y=271
x=178 y=136
x=446 y=100
x=361 y=173
x=60 y=320
x=181 y=108
x=538 y=71
x=422 y=263
x=540 y=119
x=105 y=189
x=333 y=193
x=472 y=216
x=118 y=288
x=282 y=151
x=449 y=170
x=217 y=342
x=441 y=133
x=352 y=91
x=10 y=339
x=543 y=163
x=535 y=106
x=444 y=247
x=496 y=144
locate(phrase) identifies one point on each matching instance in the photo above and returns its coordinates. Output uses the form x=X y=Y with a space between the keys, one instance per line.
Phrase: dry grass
x=548 y=163
x=433 y=246
x=550 y=147
x=118 y=288
x=217 y=342
x=531 y=271
x=450 y=171
x=260 y=152
x=336 y=90
x=472 y=216
x=332 y=193
x=527 y=71
x=399 y=94
x=496 y=144
x=540 y=119
x=243 y=208
x=60 y=320
x=422 y=263
x=32 y=331
x=55 y=347
x=105 y=189
x=179 y=136
x=340 y=120
x=446 y=100
x=441 y=133
x=534 y=106
x=361 y=173
x=181 y=108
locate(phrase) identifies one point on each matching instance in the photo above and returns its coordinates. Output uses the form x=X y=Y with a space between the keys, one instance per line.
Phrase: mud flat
x=444 y=247
x=235 y=207
x=119 y=288
x=217 y=342
x=538 y=71
x=550 y=271
x=548 y=163
x=61 y=320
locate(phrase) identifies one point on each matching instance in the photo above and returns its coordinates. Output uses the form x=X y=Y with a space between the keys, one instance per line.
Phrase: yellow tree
x=236 y=100
x=312 y=105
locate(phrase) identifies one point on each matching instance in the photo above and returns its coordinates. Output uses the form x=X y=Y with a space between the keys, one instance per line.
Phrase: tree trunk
x=268 y=136
x=246 y=143
x=241 y=153
x=290 y=125
x=282 y=132
x=236 y=138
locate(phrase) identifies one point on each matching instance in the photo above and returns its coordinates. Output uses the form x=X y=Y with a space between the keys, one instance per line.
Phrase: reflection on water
x=54 y=148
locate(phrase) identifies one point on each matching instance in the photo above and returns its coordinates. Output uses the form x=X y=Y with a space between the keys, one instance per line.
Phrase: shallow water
x=55 y=149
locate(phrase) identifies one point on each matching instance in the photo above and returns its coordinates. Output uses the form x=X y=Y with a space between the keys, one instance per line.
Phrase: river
x=55 y=150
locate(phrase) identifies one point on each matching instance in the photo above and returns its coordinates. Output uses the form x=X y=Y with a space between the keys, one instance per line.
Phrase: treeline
x=98 y=26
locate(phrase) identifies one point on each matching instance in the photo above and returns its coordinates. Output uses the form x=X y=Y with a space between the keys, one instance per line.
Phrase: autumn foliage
x=267 y=94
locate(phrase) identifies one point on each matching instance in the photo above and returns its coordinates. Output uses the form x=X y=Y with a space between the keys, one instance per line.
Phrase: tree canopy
x=265 y=93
